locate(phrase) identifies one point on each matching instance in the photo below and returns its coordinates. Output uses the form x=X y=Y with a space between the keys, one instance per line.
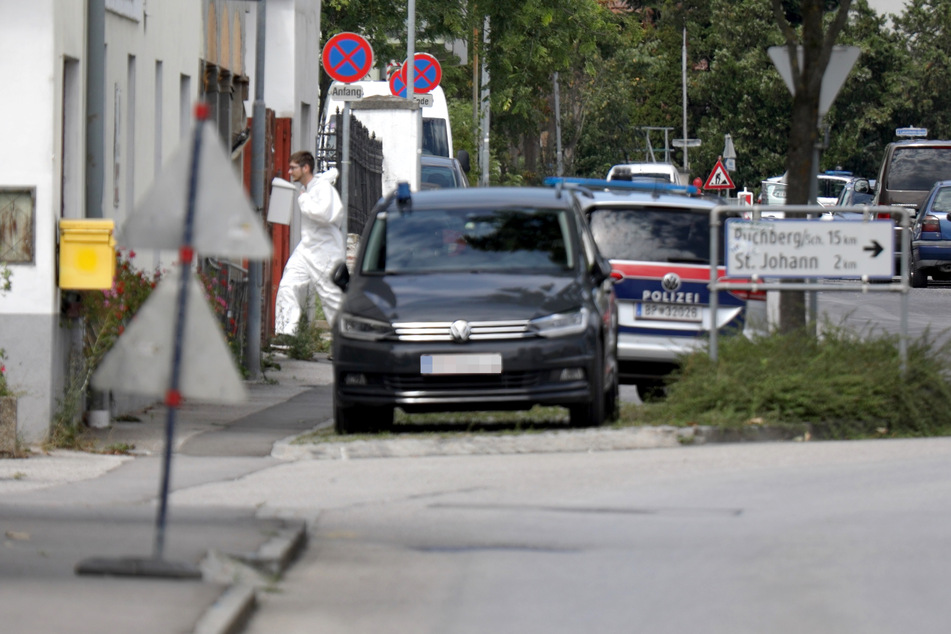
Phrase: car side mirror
x=463 y=157
x=602 y=270
x=341 y=276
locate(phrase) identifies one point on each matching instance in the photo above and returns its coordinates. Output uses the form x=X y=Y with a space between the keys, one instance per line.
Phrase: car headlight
x=561 y=324
x=362 y=328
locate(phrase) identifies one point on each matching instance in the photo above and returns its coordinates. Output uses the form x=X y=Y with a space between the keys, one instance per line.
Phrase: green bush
x=844 y=384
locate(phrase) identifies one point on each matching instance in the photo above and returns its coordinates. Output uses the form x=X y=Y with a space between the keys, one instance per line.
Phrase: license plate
x=670 y=312
x=460 y=364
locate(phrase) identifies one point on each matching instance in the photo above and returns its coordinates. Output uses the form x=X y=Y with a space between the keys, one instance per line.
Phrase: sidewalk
x=145 y=436
x=65 y=508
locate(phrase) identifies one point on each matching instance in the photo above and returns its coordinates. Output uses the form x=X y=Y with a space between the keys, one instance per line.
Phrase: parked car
x=908 y=172
x=665 y=172
x=659 y=248
x=829 y=185
x=857 y=191
x=931 y=237
x=442 y=172
x=475 y=299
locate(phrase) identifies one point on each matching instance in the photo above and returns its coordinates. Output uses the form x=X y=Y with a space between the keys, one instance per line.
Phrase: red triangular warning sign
x=719 y=178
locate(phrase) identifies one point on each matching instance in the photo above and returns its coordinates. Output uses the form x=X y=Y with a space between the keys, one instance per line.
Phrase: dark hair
x=303 y=158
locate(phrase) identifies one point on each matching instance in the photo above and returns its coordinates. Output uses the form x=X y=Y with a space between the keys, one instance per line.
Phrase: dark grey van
x=909 y=169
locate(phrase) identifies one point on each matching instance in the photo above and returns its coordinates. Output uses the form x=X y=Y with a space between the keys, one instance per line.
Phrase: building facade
x=88 y=126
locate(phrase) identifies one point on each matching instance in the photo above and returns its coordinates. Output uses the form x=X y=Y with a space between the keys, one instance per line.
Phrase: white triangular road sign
x=225 y=224
x=841 y=61
x=141 y=360
x=719 y=178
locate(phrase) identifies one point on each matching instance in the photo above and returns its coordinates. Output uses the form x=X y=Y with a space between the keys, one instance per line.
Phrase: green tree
x=925 y=30
x=816 y=41
x=384 y=26
x=527 y=43
x=876 y=84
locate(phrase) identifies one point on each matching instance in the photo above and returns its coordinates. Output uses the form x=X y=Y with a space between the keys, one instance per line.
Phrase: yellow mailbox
x=87 y=253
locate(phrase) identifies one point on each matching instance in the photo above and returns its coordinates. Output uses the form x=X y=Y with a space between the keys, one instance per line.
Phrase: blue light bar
x=403 y=194
x=597 y=183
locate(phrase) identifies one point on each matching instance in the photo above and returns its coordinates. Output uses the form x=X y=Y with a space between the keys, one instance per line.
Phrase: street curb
x=230 y=613
x=248 y=573
x=569 y=440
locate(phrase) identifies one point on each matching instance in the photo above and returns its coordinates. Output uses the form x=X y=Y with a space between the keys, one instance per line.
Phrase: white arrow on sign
x=810 y=248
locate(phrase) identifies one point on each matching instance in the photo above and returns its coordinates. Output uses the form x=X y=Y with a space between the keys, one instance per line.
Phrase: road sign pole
x=345 y=170
x=411 y=79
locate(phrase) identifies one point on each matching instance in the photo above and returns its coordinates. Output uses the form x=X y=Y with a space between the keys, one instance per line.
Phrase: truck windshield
x=435 y=137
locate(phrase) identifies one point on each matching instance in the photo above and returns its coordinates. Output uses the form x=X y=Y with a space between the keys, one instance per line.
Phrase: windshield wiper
x=688 y=260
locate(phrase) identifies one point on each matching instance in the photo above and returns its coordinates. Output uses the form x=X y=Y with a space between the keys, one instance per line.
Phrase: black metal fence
x=366 y=168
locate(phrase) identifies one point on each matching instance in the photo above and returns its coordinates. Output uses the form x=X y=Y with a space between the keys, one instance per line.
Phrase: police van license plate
x=670 y=312
x=460 y=364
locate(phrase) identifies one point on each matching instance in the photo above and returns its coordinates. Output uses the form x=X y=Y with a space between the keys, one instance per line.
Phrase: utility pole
x=256 y=267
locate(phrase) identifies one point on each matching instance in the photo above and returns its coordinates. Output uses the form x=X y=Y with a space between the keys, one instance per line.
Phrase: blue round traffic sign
x=398 y=82
x=427 y=73
x=347 y=57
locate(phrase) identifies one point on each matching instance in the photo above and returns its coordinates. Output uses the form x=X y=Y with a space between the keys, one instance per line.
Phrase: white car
x=665 y=172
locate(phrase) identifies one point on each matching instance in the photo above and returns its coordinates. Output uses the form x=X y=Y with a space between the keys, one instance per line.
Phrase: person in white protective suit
x=321 y=248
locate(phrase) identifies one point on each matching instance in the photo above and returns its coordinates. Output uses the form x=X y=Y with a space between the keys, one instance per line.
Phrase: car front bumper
x=534 y=371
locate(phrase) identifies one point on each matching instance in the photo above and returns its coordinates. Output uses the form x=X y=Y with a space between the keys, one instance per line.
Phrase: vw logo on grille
x=460 y=330
x=671 y=282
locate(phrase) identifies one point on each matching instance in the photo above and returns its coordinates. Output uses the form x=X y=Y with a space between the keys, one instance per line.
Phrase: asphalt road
x=778 y=537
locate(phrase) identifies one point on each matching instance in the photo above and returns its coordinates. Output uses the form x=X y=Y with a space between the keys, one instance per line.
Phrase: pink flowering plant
x=4 y=386
x=107 y=312
x=220 y=293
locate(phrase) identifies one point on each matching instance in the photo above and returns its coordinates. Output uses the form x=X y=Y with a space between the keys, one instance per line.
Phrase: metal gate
x=366 y=167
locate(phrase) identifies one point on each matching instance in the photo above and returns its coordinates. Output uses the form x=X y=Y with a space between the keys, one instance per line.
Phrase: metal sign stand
x=725 y=283
x=149 y=359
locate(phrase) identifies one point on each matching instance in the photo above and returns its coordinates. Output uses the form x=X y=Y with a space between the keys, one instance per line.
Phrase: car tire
x=361 y=419
x=917 y=277
x=591 y=413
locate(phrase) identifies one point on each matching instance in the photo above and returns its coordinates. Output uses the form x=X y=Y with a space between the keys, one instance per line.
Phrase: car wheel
x=361 y=419
x=590 y=413
x=917 y=277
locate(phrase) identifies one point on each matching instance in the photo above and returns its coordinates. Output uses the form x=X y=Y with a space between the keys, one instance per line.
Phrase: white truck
x=388 y=118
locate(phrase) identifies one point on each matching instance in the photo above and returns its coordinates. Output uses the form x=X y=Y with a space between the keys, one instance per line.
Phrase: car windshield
x=496 y=240
x=657 y=235
x=918 y=168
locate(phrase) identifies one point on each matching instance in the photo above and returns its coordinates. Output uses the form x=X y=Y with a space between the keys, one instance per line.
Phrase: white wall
x=171 y=33
x=28 y=68
x=38 y=39
x=396 y=125
x=291 y=63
